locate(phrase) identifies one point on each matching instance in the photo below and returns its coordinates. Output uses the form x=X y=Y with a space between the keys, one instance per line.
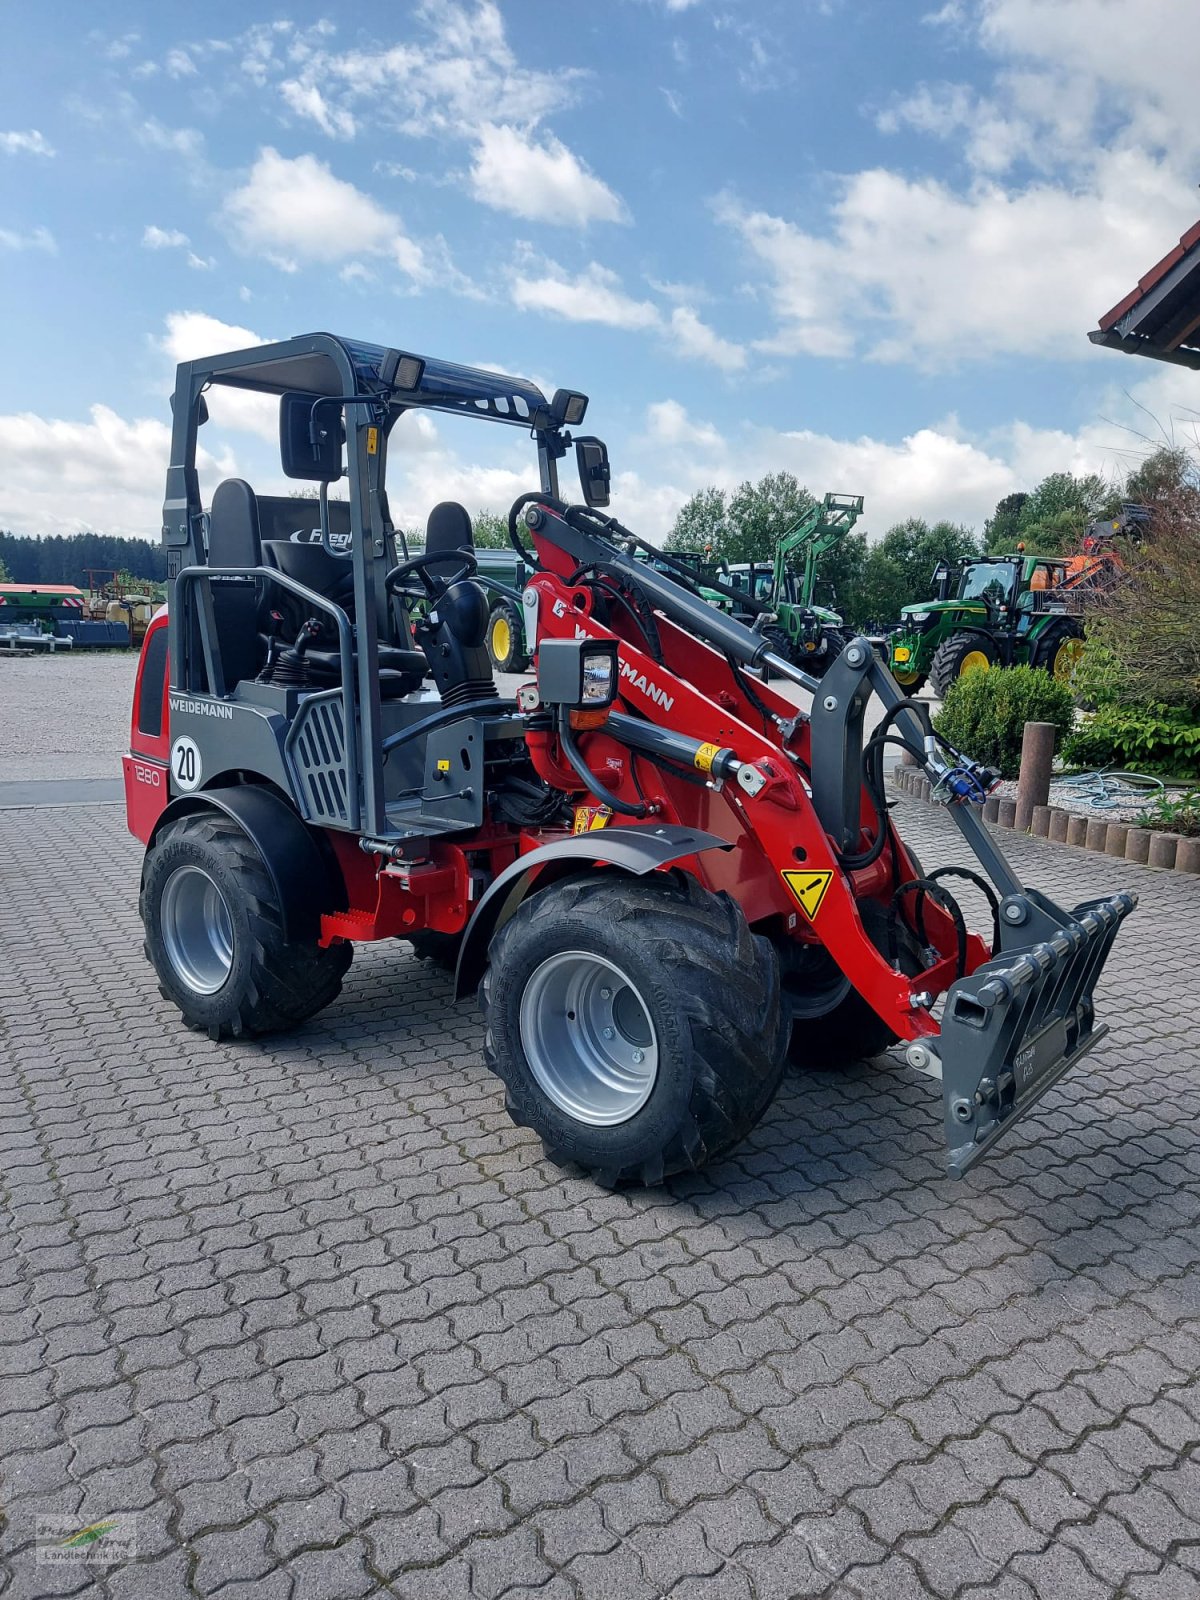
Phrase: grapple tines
x=1020 y=1021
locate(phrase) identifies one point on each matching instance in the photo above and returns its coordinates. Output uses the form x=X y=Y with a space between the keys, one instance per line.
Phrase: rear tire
x=214 y=935
x=505 y=638
x=961 y=652
x=1060 y=650
x=693 y=1035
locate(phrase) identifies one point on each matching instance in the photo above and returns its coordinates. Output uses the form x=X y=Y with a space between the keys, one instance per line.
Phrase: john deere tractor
x=1004 y=611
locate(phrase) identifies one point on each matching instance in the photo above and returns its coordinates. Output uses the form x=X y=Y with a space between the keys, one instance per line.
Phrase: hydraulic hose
x=588 y=778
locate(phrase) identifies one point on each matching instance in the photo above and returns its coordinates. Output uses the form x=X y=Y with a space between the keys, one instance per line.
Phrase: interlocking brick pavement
x=317 y=1312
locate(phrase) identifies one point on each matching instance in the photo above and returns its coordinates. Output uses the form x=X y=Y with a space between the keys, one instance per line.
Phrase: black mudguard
x=635 y=850
x=304 y=880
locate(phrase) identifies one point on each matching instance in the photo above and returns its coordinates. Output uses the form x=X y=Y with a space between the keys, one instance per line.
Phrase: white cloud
x=698 y=342
x=306 y=100
x=1080 y=156
x=30 y=143
x=179 y=64
x=938 y=470
x=541 y=181
x=909 y=269
x=294 y=211
x=107 y=473
x=595 y=295
x=155 y=238
x=192 y=335
x=200 y=263
x=668 y=423
x=35 y=239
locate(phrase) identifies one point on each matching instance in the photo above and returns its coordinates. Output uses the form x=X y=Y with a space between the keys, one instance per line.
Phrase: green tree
x=745 y=525
x=1000 y=531
x=702 y=525
x=5 y=575
x=1167 y=474
x=1055 y=516
x=897 y=570
x=491 y=531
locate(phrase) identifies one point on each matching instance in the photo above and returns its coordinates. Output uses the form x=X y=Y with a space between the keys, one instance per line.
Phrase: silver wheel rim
x=197 y=929
x=588 y=1038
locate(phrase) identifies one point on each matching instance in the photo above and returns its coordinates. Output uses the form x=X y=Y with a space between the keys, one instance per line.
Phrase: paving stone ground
x=330 y=1326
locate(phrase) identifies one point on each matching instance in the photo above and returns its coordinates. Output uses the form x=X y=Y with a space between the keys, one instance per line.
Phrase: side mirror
x=591 y=456
x=310 y=438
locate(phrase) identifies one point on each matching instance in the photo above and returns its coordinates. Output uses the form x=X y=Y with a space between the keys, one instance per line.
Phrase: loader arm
x=819 y=530
x=694 y=744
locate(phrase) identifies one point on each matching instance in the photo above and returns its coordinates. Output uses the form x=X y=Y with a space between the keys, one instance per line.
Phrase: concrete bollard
x=1115 y=839
x=1033 y=781
x=1187 y=856
x=1097 y=832
x=1058 y=824
x=1039 y=822
x=924 y=788
x=1006 y=813
x=1162 y=849
x=991 y=809
x=1137 y=845
x=1077 y=829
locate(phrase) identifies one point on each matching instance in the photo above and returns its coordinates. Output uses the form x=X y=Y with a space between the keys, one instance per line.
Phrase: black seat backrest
x=233 y=541
x=448 y=528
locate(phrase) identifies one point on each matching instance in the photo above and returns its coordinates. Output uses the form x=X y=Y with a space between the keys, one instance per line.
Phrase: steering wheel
x=418 y=566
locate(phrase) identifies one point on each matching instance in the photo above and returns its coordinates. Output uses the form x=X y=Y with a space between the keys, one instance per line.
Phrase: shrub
x=1152 y=738
x=985 y=713
x=1176 y=816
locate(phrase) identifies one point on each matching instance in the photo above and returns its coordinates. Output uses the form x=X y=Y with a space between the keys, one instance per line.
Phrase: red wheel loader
x=660 y=876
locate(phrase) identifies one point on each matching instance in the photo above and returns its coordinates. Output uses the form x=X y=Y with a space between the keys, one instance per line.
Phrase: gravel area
x=1116 y=805
x=65 y=716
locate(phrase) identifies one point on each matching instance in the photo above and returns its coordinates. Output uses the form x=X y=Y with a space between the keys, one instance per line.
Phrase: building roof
x=1160 y=318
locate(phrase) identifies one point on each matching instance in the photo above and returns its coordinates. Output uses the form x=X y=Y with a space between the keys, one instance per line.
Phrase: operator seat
x=233 y=541
x=454 y=630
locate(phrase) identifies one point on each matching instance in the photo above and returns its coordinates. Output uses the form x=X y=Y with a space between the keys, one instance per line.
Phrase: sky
x=859 y=240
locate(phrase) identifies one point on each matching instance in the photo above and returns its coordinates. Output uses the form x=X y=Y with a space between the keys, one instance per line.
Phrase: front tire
x=635 y=1024
x=960 y=653
x=214 y=935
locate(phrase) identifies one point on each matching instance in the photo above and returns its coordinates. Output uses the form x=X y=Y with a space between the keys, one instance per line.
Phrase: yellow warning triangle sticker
x=809 y=889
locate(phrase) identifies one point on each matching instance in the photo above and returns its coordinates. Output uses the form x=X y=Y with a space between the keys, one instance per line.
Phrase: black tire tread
x=730 y=980
x=292 y=982
x=943 y=669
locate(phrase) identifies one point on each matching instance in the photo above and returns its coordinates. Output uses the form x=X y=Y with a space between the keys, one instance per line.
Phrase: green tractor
x=777 y=600
x=993 y=611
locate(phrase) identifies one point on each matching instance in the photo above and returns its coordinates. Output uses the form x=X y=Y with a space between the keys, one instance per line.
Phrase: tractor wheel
x=832 y=1025
x=1060 y=650
x=504 y=638
x=214 y=935
x=960 y=653
x=635 y=1023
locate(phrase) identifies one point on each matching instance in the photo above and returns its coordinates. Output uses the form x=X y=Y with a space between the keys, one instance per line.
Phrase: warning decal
x=809 y=889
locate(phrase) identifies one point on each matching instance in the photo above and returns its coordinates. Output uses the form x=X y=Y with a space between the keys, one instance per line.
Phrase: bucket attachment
x=1019 y=1022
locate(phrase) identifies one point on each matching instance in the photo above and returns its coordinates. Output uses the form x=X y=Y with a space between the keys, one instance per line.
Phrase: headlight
x=919 y=616
x=598 y=672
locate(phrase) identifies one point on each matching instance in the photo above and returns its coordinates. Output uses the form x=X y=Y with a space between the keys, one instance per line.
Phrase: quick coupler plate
x=1019 y=1022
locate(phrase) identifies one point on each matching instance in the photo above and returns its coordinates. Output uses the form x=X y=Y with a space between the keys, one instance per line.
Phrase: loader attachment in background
x=1019 y=1022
